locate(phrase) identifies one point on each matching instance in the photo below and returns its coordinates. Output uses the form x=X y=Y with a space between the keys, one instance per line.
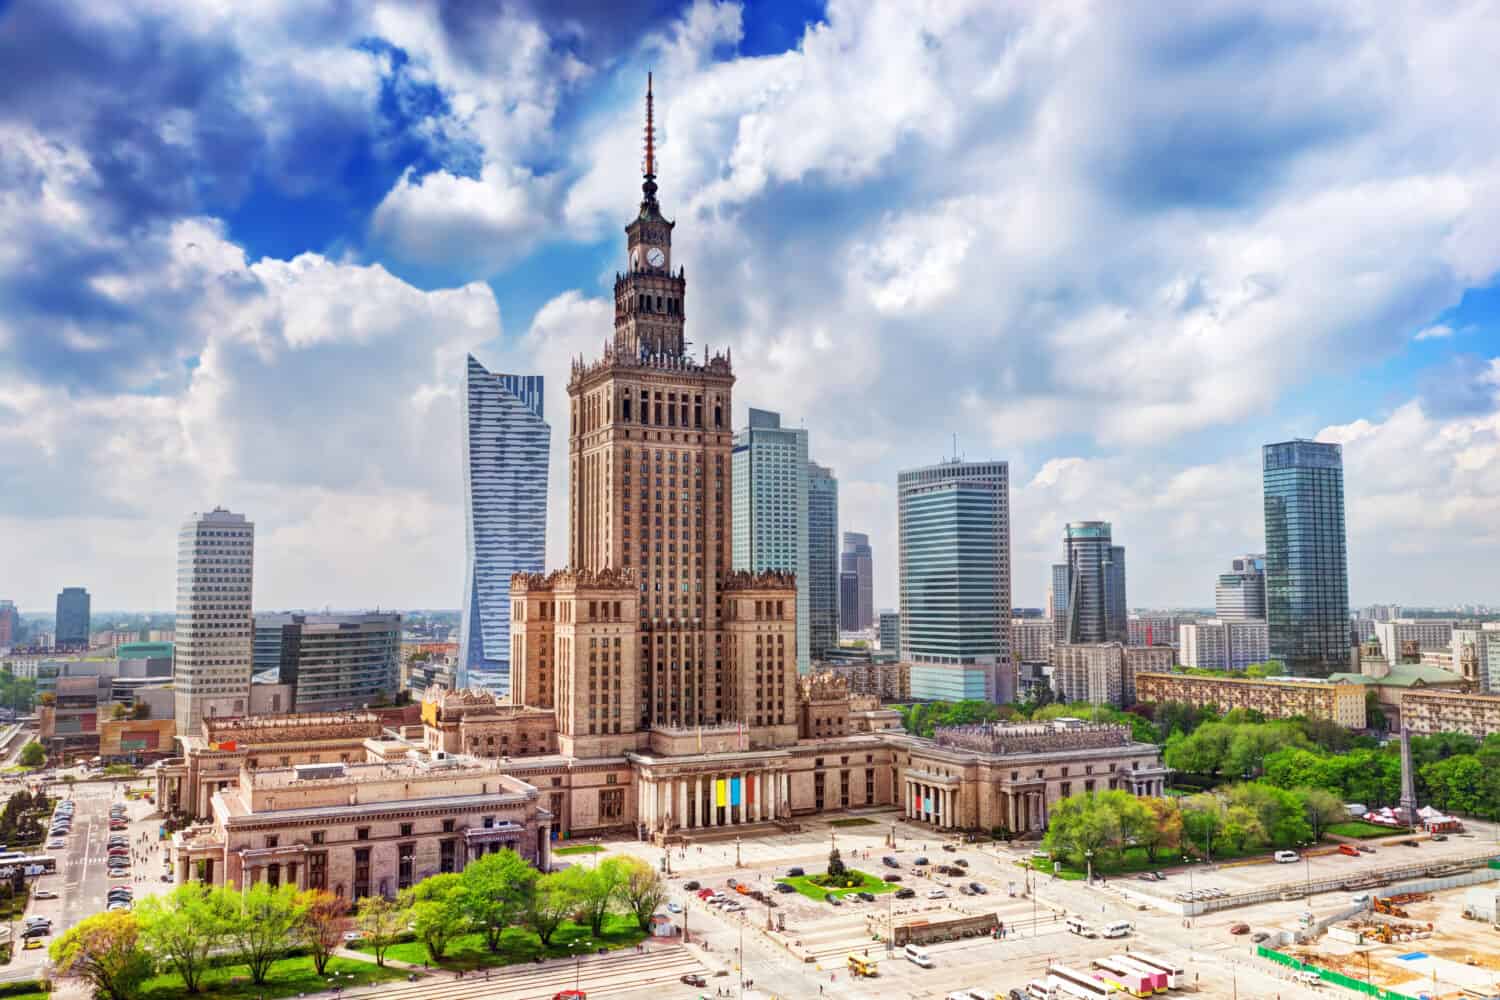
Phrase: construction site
x=1433 y=944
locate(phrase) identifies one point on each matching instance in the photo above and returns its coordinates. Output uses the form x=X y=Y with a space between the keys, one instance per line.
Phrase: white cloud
x=1437 y=331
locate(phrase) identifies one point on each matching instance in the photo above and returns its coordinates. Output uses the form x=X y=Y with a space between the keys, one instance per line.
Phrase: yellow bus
x=860 y=965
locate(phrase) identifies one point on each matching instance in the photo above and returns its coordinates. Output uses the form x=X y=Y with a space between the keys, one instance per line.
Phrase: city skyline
x=445 y=224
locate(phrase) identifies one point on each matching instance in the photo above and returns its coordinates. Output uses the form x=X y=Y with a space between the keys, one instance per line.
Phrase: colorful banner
x=916 y=801
x=928 y=803
x=750 y=791
x=734 y=791
x=719 y=792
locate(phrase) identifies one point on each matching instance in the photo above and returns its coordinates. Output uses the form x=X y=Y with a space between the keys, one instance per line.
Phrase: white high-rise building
x=215 y=622
x=1219 y=644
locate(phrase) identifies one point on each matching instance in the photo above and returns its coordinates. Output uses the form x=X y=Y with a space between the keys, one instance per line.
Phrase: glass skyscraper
x=769 y=486
x=72 y=629
x=955 y=580
x=1095 y=608
x=858 y=559
x=1307 y=565
x=822 y=560
x=505 y=499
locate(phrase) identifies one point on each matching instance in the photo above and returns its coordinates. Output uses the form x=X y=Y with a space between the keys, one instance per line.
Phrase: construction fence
x=1330 y=976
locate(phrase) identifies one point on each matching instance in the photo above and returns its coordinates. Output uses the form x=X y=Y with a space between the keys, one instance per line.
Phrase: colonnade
x=707 y=801
x=931 y=803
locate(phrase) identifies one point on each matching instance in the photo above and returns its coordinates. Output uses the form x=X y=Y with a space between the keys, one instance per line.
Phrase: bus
x=1176 y=974
x=1122 y=978
x=859 y=965
x=1078 y=984
x=1155 y=978
x=33 y=864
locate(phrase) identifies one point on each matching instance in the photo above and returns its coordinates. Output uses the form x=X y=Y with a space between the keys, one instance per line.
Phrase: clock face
x=655 y=257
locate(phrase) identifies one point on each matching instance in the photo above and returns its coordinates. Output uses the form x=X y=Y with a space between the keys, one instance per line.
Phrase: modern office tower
x=1307 y=568
x=822 y=560
x=858 y=558
x=1095 y=585
x=1222 y=644
x=954 y=522
x=770 y=491
x=1057 y=602
x=332 y=662
x=505 y=445
x=10 y=624
x=215 y=624
x=72 y=629
x=848 y=601
x=890 y=630
x=1240 y=594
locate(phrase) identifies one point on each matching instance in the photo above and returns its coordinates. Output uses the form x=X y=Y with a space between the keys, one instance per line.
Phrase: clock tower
x=648 y=296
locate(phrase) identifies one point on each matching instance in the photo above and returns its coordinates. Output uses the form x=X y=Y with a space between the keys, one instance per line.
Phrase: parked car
x=979 y=890
x=890 y=862
x=1349 y=850
x=1259 y=936
x=693 y=979
x=949 y=847
x=1439 y=836
x=921 y=861
x=906 y=893
x=691 y=886
x=893 y=878
x=37 y=930
x=783 y=887
x=1366 y=849
x=44 y=894
x=962 y=862
x=868 y=897
x=674 y=907
x=795 y=872
x=965 y=890
x=570 y=995
x=937 y=893
x=834 y=899
x=1286 y=857
x=1239 y=928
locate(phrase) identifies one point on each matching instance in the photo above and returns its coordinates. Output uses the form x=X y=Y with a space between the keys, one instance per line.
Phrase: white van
x=917 y=956
x=1118 y=929
x=1077 y=925
x=1286 y=857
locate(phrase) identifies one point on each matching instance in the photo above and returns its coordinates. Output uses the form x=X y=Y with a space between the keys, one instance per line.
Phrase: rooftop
x=1403 y=675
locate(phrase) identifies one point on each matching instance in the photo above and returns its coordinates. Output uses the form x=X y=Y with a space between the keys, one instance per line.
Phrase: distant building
x=1381 y=612
x=890 y=631
x=1394 y=684
x=1404 y=640
x=1030 y=640
x=858 y=558
x=1429 y=712
x=954 y=523
x=505 y=449
x=332 y=662
x=769 y=489
x=1057 y=601
x=72 y=630
x=1152 y=630
x=1095 y=586
x=215 y=624
x=1104 y=673
x=1240 y=594
x=822 y=560
x=848 y=601
x=889 y=682
x=1274 y=697
x=10 y=625
x=1216 y=644
x=1307 y=565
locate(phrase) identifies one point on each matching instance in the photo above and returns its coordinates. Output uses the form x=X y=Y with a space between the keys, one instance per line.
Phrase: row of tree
x=1102 y=825
x=195 y=925
x=22 y=818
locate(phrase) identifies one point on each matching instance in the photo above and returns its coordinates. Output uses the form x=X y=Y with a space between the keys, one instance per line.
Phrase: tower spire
x=648 y=203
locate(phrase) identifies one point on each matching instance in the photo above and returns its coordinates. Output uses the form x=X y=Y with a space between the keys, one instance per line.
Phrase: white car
x=44 y=894
x=674 y=908
x=937 y=894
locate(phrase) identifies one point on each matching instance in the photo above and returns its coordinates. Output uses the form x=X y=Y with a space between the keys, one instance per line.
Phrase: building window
x=405 y=861
x=273 y=875
x=448 y=825
x=406 y=829
x=317 y=836
x=361 y=873
x=362 y=833
x=317 y=870
x=447 y=855
x=272 y=840
x=489 y=822
x=611 y=803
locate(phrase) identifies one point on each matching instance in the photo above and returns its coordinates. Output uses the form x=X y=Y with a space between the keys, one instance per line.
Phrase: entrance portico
x=677 y=796
x=932 y=798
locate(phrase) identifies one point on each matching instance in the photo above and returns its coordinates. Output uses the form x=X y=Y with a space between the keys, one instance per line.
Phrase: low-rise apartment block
x=1219 y=644
x=1104 y=672
x=1273 y=697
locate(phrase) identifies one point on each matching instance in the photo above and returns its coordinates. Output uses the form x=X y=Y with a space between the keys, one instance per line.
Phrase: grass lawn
x=852 y=821
x=1360 y=829
x=289 y=977
x=1134 y=860
x=578 y=849
x=812 y=890
x=520 y=945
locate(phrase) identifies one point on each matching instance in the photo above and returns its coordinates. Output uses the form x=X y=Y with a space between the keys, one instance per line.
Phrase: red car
x=570 y=995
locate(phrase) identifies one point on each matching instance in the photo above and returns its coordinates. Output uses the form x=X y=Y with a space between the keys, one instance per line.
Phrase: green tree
x=1161 y=829
x=596 y=890
x=185 y=927
x=1242 y=827
x=1374 y=712
x=321 y=919
x=836 y=867
x=550 y=905
x=1203 y=820
x=381 y=922
x=1082 y=825
x=1322 y=809
x=104 y=950
x=642 y=891
x=495 y=892
x=263 y=926
x=1456 y=784
x=437 y=911
x=32 y=755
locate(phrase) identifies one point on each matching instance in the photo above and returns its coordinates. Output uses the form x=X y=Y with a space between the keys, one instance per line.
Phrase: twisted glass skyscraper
x=505 y=500
x=1307 y=566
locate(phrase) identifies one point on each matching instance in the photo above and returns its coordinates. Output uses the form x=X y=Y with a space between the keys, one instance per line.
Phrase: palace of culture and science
x=654 y=690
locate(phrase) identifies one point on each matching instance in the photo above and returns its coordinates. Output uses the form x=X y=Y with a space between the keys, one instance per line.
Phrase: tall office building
x=890 y=631
x=822 y=560
x=955 y=580
x=1057 y=602
x=770 y=490
x=1094 y=571
x=1307 y=568
x=215 y=632
x=10 y=624
x=858 y=559
x=332 y=662
x=72 y=629
x=505 y=506
x=1240 y=594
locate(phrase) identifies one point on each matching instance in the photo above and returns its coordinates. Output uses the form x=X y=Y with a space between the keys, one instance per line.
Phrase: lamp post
x=1307 y=871
x=578 y=947
x=1190 y=907
x=737 y=863
x=1088 y=857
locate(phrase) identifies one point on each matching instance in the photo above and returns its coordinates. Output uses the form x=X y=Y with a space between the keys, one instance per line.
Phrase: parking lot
x=81 y=885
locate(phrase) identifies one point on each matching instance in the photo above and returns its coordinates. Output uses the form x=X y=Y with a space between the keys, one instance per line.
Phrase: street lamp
x=737 y=851
x=578 y=948
x=1190 y=907
x=1088 y=856
x=1307 y=870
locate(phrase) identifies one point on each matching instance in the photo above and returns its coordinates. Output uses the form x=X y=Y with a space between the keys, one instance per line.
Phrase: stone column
x=713 y=800
x=760 y=794
x=682 y=812
x=699 y=820
x=744 y=807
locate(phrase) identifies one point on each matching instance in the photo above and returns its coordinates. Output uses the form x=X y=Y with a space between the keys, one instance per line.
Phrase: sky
x=244 y=250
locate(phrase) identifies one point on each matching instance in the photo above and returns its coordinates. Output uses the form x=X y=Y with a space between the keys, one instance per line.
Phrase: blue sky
x=243 y=252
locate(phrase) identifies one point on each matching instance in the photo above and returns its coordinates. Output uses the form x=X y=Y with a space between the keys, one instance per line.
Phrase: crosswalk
x=598 y=975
